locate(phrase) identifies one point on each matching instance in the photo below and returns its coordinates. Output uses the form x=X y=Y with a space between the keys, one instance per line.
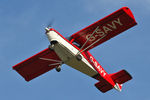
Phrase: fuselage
x=68 y=51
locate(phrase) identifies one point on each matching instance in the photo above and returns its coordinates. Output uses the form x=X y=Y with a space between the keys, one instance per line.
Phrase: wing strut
x=93 y=43
x=50 y=59
x=87 y=41
x=57 y=61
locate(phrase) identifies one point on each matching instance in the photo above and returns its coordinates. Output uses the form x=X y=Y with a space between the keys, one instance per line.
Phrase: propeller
x=49 y=26
x=46 y=26
x=51 y=22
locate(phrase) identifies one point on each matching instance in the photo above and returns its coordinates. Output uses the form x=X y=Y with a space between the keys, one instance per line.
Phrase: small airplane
x=74 y=51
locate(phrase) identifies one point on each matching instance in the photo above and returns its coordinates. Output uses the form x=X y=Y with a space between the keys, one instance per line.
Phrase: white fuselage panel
x=67 y=53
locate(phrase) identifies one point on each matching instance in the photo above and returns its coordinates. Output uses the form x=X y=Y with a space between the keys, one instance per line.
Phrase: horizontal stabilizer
x=103 y=86
x=121 y=77
x=118 y=78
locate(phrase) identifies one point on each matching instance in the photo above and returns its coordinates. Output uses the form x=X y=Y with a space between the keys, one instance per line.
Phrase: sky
x=22 y=35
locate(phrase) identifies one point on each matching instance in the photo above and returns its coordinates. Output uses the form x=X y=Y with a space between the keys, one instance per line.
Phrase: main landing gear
x=79 y=57
x=58 y=68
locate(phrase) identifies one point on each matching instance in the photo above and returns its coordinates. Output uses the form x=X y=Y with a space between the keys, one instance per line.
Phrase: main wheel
x=79 y=57
x=58 y=69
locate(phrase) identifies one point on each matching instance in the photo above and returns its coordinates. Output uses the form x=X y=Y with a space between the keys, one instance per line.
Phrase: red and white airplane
x=75 y=51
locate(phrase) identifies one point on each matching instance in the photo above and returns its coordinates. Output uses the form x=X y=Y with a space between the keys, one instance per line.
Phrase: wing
x=105 y=28
x=38 y=64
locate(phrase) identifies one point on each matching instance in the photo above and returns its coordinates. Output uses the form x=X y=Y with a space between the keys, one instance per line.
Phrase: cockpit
x=72 y=41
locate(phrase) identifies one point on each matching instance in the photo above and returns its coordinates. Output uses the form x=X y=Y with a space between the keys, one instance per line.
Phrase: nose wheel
x=51 y=47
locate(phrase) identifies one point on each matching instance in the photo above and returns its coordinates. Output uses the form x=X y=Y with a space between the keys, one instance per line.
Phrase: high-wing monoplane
x=74 y=51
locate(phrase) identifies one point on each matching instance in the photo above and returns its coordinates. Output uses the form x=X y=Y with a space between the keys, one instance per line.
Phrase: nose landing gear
x=51 y=47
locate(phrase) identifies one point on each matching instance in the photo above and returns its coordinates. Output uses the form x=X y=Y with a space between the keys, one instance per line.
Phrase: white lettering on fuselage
x=102 y=31
x=98 y=67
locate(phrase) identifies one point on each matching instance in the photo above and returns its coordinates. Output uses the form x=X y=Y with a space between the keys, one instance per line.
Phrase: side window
x=73 y=42
x=77 y=44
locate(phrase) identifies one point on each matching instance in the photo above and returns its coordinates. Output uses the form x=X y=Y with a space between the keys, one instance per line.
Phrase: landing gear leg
x=51 y=47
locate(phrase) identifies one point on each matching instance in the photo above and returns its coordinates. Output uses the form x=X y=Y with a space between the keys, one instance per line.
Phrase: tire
x=51 y=47
x=79 y=57
x=58 y=69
